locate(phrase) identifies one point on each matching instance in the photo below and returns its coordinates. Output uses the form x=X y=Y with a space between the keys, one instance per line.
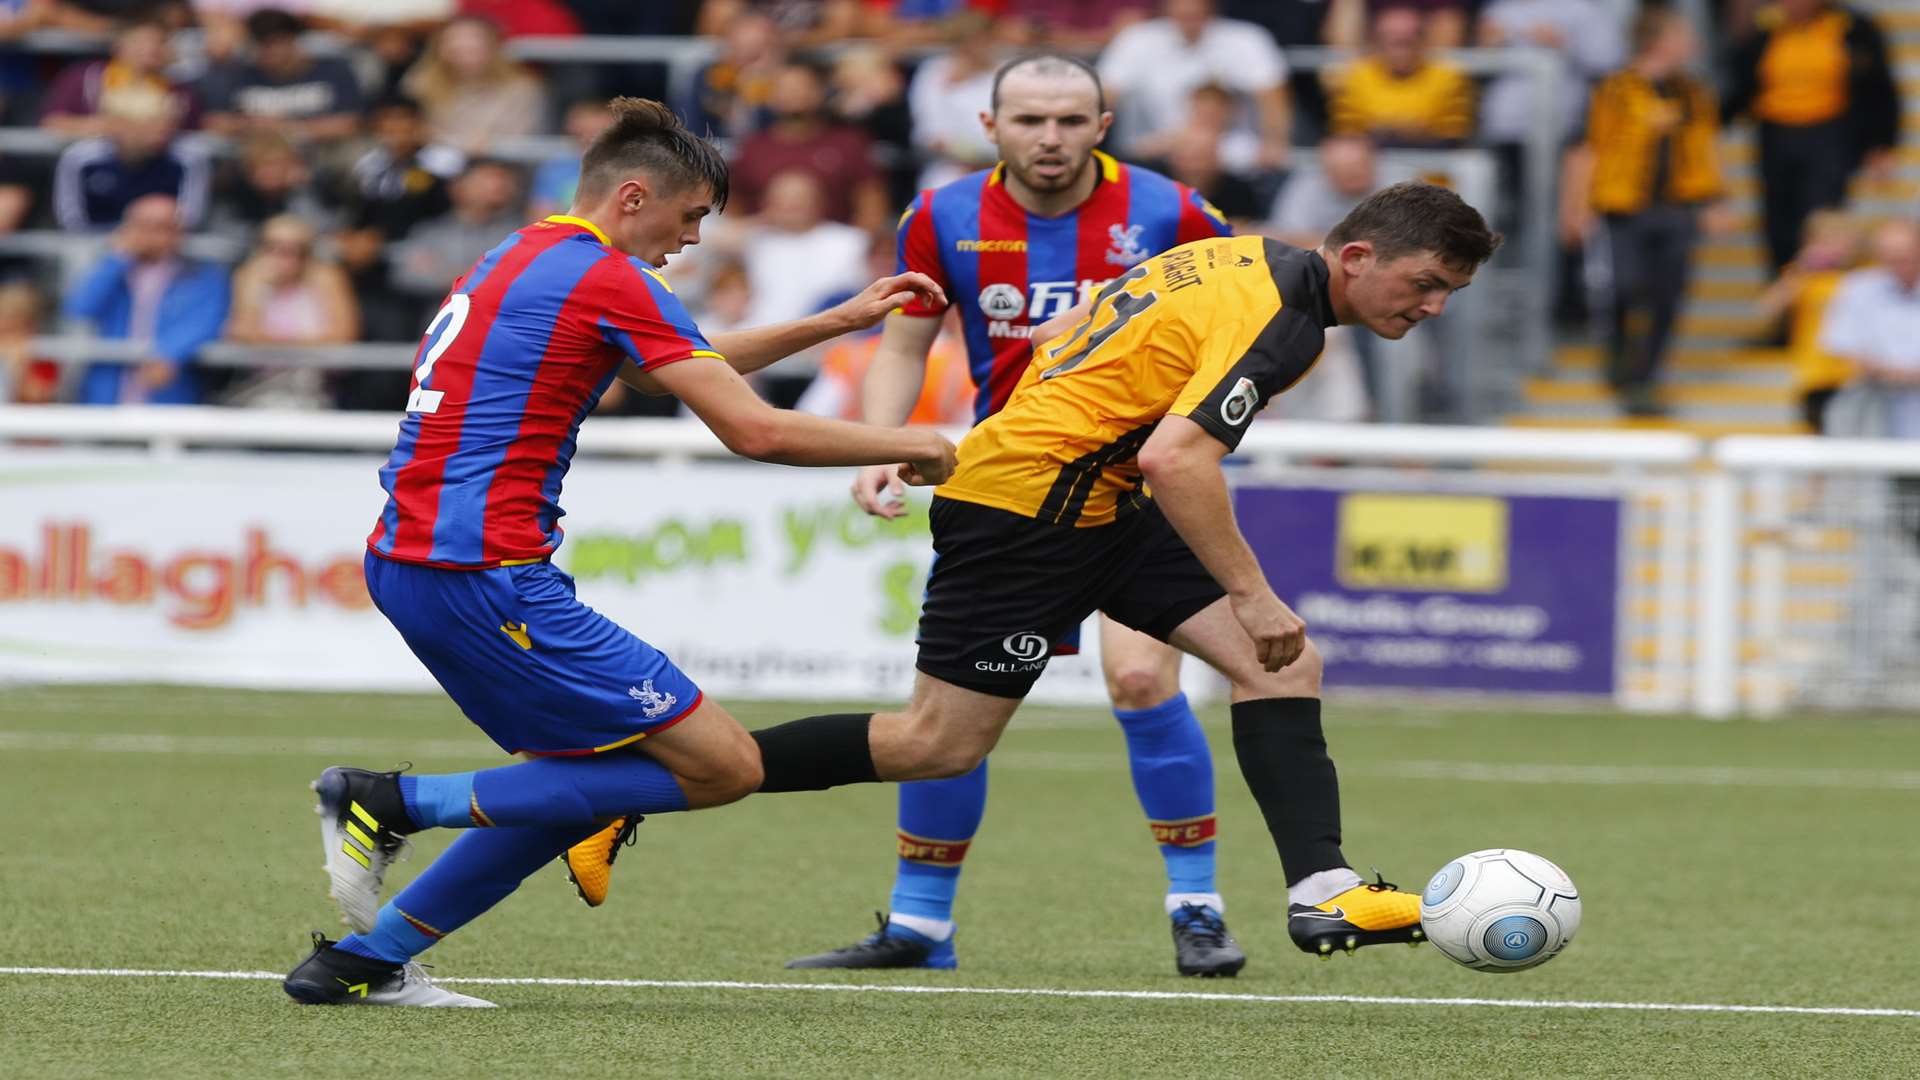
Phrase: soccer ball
x=1500 y=910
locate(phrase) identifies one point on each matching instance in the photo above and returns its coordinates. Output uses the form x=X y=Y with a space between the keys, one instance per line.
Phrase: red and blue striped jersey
x=1011 y=270
x=513 y=362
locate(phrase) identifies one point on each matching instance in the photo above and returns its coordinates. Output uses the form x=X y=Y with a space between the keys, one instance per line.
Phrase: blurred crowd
x=317 y=172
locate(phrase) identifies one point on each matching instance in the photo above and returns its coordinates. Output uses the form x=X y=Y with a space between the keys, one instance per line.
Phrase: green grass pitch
x=1732 y=863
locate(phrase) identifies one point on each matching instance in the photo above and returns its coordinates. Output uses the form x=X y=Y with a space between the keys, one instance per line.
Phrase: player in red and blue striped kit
x=1015 y=246
x=458 y=561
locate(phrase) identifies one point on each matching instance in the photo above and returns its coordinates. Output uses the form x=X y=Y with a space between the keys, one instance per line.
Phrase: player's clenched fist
x=1279 y=636
x=935 y=467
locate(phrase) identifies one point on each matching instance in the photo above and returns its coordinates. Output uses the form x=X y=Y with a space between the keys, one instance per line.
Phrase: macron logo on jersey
x=989 y=245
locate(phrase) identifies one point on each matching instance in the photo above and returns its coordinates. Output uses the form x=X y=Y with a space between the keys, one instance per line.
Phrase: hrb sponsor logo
x=201 y=588
x=921 y=849
x=1189 y=832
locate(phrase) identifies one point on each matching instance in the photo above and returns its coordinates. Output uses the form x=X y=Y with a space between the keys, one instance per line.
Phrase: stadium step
x=1759 y=366
x=1708 y=391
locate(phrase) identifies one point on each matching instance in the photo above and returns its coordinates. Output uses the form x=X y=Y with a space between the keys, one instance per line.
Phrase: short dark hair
x=1049 y=63
x=646 y=136
x=1415 y=216
x=396 y=102
x=273 y=24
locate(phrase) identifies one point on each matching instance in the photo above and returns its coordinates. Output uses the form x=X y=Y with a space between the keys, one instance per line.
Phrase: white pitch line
x=1016 y=991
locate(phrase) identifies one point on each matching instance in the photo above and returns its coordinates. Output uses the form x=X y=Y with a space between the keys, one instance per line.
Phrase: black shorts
x=1005 y=587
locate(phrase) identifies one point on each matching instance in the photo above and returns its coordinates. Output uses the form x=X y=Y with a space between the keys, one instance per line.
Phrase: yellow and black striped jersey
x=1210 y=330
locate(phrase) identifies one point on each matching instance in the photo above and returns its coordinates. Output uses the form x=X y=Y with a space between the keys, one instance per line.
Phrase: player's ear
x=1355 y=256
x=1106 y=121
x=634 y=194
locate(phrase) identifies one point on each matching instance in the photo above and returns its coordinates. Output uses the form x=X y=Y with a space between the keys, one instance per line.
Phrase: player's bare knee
x=746 y=774
x=932 y=751
x=724 y=776
x=946 y=762
x=1141 y=686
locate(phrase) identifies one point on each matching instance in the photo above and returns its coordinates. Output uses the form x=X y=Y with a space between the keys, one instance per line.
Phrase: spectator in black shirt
x=282 y=88
x=398 y=184
x=402 y=180
x=96 y=179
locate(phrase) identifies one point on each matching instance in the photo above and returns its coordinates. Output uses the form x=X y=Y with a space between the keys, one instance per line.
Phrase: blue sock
x=937 y=821
x=1173 y=777
x=547 y=791
x=475 y=873
x=442 y=800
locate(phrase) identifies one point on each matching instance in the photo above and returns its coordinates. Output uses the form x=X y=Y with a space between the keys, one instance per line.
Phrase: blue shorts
x=538 y=671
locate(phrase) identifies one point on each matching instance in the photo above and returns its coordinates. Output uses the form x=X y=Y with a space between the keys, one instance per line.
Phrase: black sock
x=1283 y=755
x=816 y=753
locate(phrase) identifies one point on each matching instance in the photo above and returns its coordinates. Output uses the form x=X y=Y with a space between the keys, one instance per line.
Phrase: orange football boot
x=1376 y=914
x=589 y=863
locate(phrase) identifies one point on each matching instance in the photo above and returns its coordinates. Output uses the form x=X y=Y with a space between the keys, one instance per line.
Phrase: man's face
x=1390 y=296
x=276 y=173
x=483 y=193
x=1397 y=34
x=140 y=134
x=1348 y=164
x=1189 y=16
x=796 y=93
x=399 y=131
x=150 y=231
x=143 y=48
x=1046 y=128
x=793 y=202
x=585 y=122
x=279 y=56
x=654 y=224
x=1896 y=247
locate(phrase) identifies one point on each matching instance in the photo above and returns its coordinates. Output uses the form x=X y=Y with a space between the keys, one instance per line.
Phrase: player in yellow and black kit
x=1049 y=517
x=1098 y=487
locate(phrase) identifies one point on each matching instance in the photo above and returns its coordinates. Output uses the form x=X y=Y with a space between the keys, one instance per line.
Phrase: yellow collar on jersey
x=1109 y=170
x=569 y=219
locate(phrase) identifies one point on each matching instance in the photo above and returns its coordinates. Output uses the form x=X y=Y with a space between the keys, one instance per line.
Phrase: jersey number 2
x=453 y=316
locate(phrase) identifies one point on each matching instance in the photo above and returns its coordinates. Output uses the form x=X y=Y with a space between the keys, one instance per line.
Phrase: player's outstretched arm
x=748 y=351
x=753 y=429
x=887 y=395
x=1181 y=462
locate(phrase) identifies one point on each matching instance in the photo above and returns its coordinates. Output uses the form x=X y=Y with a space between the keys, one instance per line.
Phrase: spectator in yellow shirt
x=1802 y=292
x=1648 y=168
x=1398 y=94
x=1816 y=79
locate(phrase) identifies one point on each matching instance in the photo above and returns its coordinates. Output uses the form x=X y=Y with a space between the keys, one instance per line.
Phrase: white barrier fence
x=162 y=544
